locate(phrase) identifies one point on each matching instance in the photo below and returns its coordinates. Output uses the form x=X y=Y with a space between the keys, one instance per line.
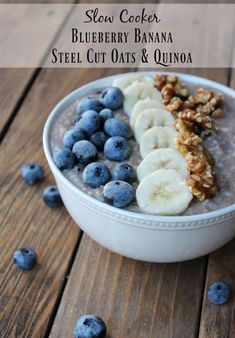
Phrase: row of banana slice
x=163 y=172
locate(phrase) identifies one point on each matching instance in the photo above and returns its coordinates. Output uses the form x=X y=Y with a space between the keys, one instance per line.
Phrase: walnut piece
x=170 y=86
x=174 y=105
x=200 y=108
x=202 y=120
x=201 y=180
x=195 y=115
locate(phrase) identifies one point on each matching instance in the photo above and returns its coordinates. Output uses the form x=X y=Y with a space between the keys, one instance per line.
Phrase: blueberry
x=96 y=174
x=218 y=292
x=106 y=114
x=112 y=98
x=98 y=139
x=116 y=148
x=116 y=127
x=51 y=197
x=89 y=103
x=25 y=258
x=90 y=326
x=71 y=136
x=32 y=173
x=118 y=193
x=124 y=172
x=85 y=151
x=89 y=122
x=63 y=158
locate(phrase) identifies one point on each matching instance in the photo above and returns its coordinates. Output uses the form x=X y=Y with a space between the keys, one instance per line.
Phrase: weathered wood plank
x=27 y=300
x=14 y=81
x=13 y=84
x=135 y=299
x=24 y=218
x=219 y=321
x=128 y=290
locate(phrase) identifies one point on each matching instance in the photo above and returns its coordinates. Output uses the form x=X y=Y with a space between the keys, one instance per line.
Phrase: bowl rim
x=80 y=91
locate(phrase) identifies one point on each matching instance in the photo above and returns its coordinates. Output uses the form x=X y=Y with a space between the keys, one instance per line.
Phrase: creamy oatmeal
x=221 y=144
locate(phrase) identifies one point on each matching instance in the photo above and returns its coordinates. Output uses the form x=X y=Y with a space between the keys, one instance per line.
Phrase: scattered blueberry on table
x=25 y=258
x=218 y=292
x=51 y=196
x=112 y=98
x=96 y=174
x=90 y=326
x=72 y=136
x=124 y=172
x=85 y=151
x=64 y=158
x=98 y=139
x=106 y=114
x=118 y=193
x=117 y=148
x=32 y=173
x=89 y=103
x=89 y=122
x=116 y=127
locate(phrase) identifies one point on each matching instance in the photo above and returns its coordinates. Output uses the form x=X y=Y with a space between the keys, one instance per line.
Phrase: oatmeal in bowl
x=144 y=154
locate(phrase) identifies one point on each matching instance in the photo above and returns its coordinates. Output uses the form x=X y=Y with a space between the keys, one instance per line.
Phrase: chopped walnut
x=172 y=79
x=200 y=108
x=201 y=180
x=160 y=81
x=195 y=115
x=204 y=102
x=200 y=189
x=184 y=126
x=174 y=105
x=204 y=121
x=167 y=92
x=202 y=96
x=182 y=92
x=170 y=87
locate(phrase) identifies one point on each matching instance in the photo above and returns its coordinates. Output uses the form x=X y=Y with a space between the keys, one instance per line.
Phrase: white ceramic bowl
x=139 y=236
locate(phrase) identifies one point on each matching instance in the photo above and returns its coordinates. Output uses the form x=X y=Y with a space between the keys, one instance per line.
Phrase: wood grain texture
x=13 y=84
x=219 y=321
x=27 y=299
x=14 y=81
x=135 y=299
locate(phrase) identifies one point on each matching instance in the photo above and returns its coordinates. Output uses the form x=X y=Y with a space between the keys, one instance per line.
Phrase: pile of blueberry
x=97 y=130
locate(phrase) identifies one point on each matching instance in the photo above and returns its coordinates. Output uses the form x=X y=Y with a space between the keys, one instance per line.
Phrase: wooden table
x=75 y=275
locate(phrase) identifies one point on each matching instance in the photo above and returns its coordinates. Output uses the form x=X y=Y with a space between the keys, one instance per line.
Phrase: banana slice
x=152 y=117
x=163 y=192
x=139 y=91
x=142 y=105
x=163 y=159
x=157 y=137
x=127 y=80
